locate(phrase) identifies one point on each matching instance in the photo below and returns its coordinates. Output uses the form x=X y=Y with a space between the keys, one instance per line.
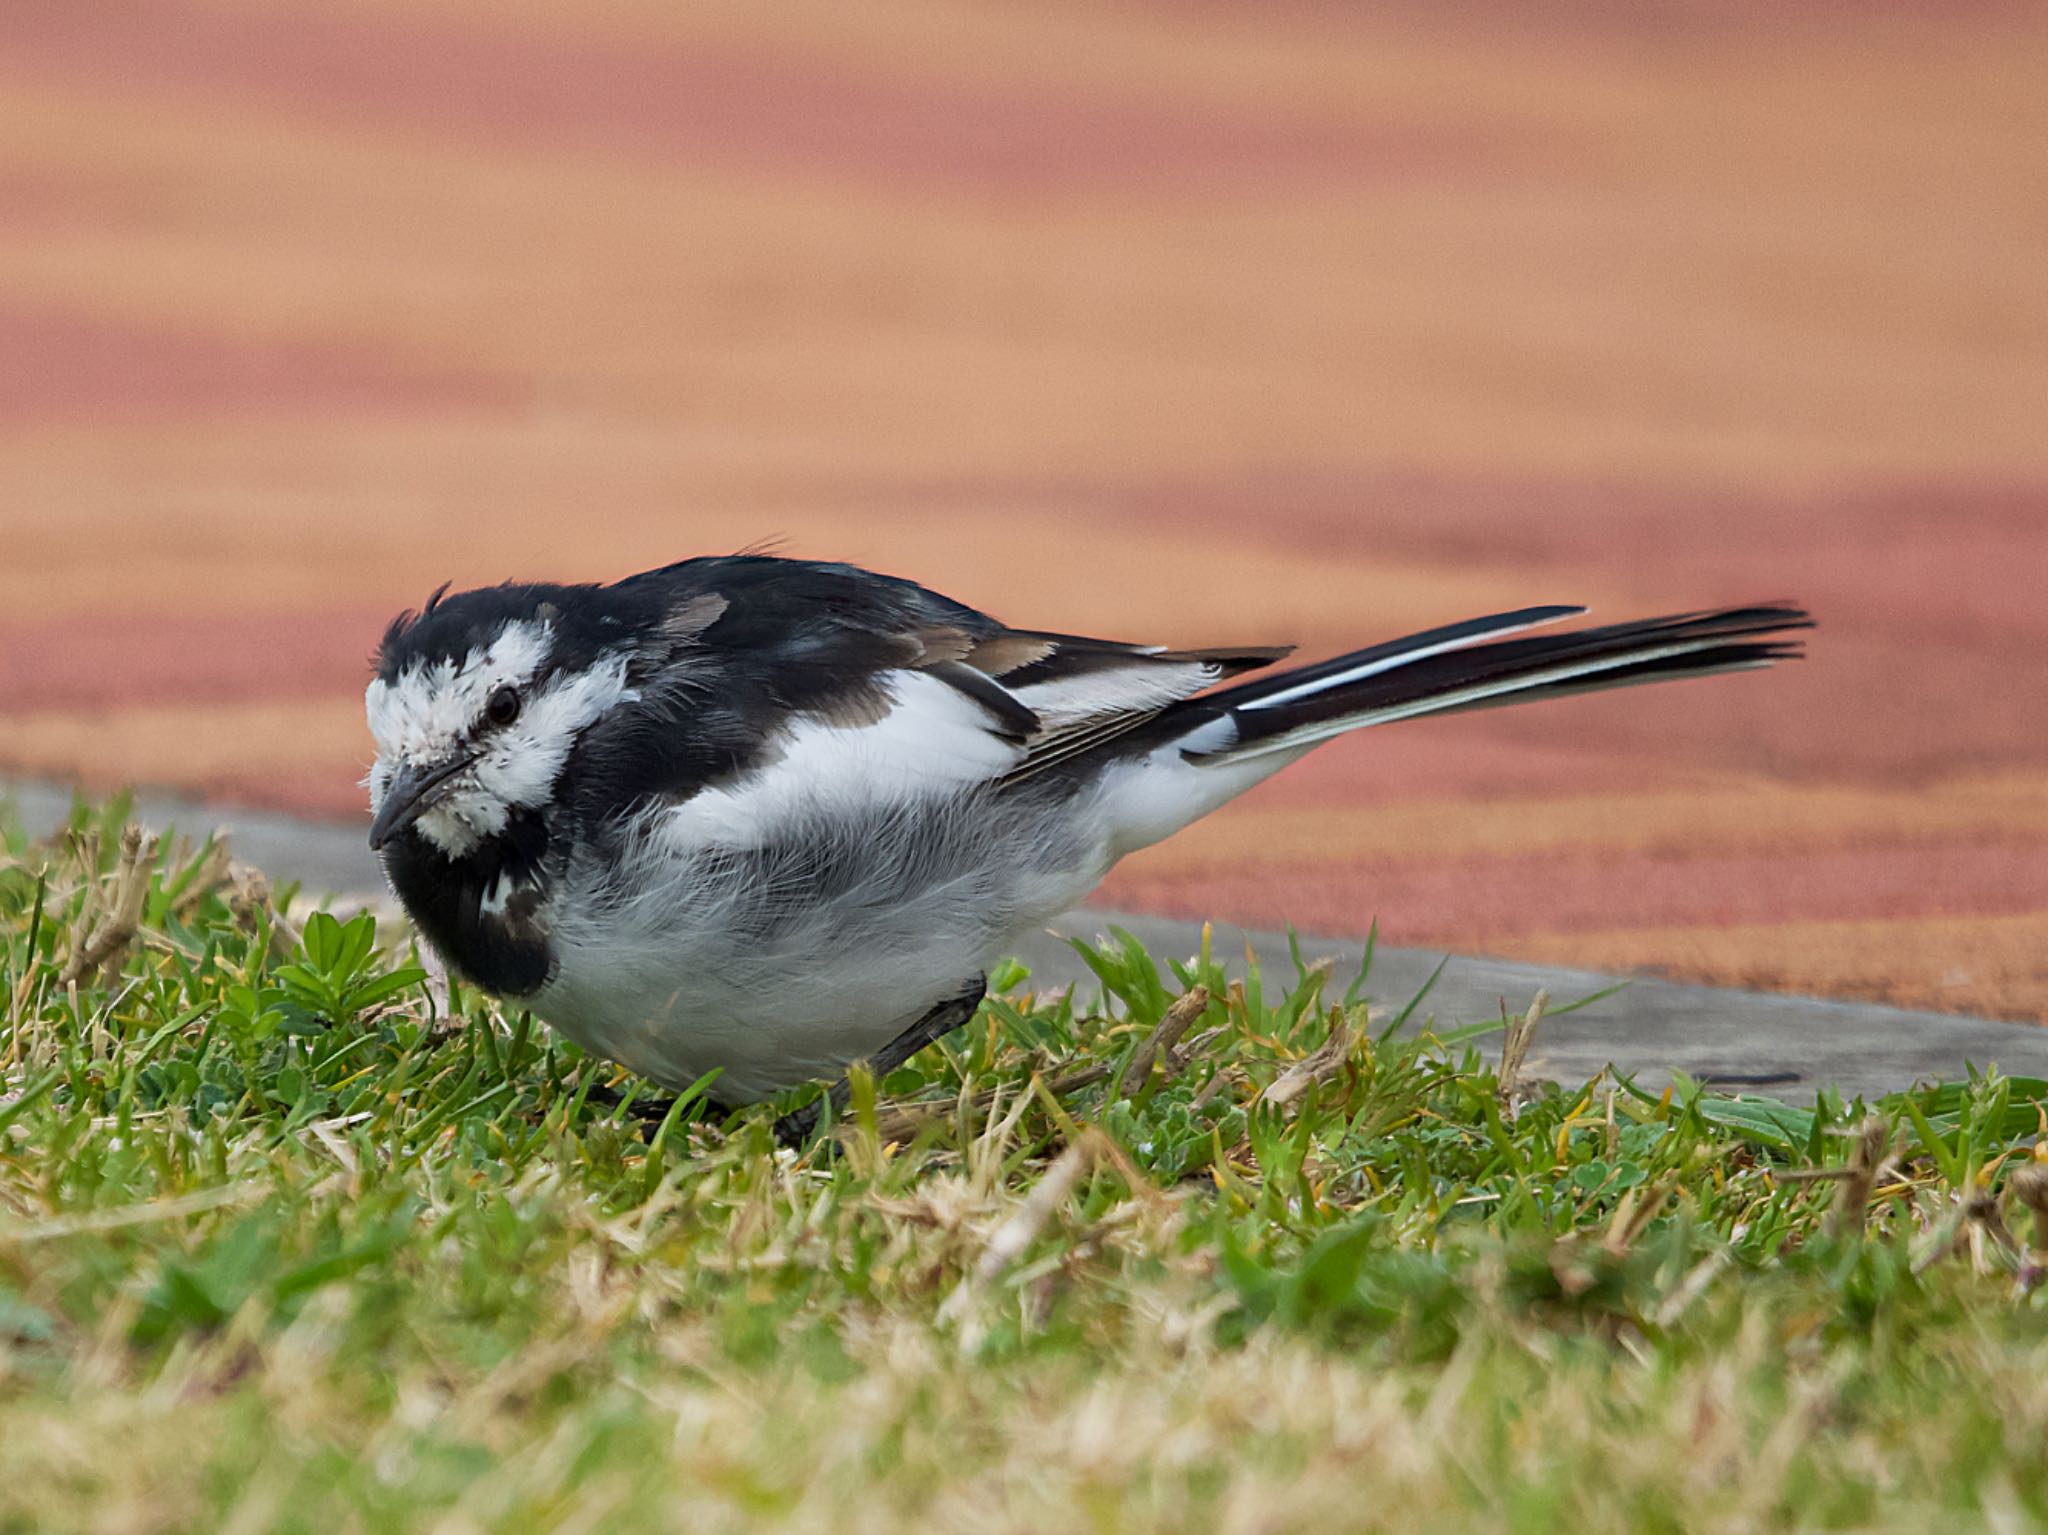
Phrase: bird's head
x=478 y=702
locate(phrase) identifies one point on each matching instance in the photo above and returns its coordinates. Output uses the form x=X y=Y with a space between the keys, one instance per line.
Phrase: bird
x=759 y=818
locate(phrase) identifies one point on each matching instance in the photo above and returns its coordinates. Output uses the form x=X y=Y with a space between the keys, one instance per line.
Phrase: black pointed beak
x=411 y=793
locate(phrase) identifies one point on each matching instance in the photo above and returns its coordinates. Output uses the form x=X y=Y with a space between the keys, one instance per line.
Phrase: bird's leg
x=648 y=1110
x=797 y=1126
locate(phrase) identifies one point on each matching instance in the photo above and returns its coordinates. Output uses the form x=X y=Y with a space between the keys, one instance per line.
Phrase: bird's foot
x=796 y=1128
x=648 y=1110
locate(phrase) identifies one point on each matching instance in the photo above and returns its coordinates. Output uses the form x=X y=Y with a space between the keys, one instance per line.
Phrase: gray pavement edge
x=1783 y=1046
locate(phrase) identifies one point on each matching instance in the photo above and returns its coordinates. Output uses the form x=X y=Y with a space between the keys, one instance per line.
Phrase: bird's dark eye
x=503 y=708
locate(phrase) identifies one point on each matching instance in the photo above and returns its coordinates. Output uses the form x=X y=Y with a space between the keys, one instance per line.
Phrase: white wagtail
x=773 y=816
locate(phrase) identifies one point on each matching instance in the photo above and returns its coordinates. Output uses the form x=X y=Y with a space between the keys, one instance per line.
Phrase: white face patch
x=423 y=716
x=433 y=713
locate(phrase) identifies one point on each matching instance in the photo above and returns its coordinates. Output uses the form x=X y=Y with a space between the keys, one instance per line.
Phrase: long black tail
x=1447 y=671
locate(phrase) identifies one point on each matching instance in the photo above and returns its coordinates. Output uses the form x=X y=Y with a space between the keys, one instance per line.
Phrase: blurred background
x=1187 y=322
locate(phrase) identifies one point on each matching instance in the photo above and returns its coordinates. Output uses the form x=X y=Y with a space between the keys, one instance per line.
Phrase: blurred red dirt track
x=1190 y=323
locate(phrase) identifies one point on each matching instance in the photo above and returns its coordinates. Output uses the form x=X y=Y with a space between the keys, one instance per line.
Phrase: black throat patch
x=504 y=949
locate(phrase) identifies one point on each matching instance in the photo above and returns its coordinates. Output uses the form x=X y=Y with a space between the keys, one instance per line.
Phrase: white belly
x=774 y=980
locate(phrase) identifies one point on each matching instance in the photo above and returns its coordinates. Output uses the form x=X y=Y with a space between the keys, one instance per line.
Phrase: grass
x=294 y=1238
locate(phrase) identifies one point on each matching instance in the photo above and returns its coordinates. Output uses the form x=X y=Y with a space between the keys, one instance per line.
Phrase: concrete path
x=1783 y=1046
x=326 y=859
x=1743 y=1041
